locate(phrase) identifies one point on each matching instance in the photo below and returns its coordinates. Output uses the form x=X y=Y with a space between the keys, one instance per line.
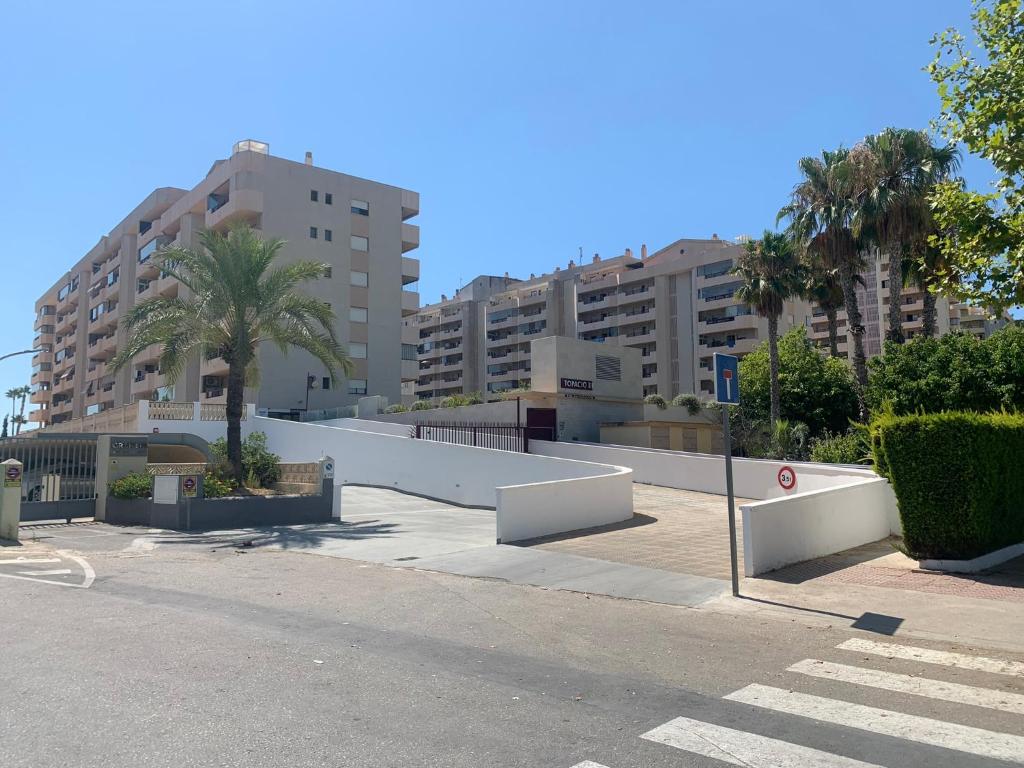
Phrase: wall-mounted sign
x=12 y=477
x=127 y=446
x=577 y=385
x=787 y=478
x=189 y=486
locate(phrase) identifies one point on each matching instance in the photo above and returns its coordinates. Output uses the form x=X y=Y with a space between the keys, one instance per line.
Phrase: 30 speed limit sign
x=787 y=478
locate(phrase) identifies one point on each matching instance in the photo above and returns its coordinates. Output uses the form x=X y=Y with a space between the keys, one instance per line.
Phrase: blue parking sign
x=727 y=379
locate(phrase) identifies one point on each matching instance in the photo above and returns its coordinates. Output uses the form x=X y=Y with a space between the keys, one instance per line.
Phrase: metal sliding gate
x=58 y=475
x=504 y=437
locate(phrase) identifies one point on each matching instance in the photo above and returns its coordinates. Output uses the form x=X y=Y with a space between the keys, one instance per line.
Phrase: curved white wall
x=752 y=478
x=533 y=495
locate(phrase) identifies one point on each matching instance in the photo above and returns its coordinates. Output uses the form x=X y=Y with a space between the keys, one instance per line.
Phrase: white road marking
x=589 y=764
x=741 y=748
x=923 y=730
x=928 y=656
x=88 y=574
x=27 y=560
x=54 y=572
x=915 y=686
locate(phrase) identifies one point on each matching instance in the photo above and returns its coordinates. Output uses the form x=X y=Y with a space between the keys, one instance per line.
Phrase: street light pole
x=23 y=352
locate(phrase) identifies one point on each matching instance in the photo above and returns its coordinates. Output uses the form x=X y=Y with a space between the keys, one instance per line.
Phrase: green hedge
x=958 y=479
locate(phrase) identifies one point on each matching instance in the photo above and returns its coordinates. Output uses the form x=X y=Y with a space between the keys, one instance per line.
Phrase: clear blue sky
x=529 y=128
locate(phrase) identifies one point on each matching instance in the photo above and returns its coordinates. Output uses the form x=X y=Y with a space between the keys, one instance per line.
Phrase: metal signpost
x=727 y=392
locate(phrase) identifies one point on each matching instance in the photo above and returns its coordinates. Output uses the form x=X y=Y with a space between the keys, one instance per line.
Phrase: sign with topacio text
x=577 y=385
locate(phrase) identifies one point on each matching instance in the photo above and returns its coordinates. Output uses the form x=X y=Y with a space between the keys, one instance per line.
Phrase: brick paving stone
x=672 y=530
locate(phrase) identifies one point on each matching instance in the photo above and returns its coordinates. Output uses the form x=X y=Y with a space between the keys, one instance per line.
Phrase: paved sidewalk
x=672 y=530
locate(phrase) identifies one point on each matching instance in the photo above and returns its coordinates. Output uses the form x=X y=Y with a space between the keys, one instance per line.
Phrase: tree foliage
x=956 y=372
x=982 y=235
x=818 y=391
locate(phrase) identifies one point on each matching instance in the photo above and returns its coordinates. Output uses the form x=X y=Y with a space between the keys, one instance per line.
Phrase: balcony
x=410 y=237
x=242 y=205
x=533 y=298
x=718 y=301
x=584 y=304
x=598 y=323
x=718 y=278
x=739 y=347
x=635 y=295
x=638 y=339
x=634 y=316
x=45 y=317
x=727 y=323
x=144 y=383
x=410 y=204
x=597 y=282
x=410 y=303
x=214 y=367
x=506 y=322
x=410 y=270
x=410 y=370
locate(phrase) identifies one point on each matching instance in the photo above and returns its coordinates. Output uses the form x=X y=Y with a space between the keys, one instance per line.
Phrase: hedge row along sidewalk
x=958 y=478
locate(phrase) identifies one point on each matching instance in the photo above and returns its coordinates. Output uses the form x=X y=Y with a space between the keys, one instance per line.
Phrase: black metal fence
x=502 y=437
x=58 y=475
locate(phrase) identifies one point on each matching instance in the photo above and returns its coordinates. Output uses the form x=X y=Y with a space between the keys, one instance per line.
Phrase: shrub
x=259 y=465
x=134 y=485
x=452 y=401
x=657 y=400
x=474 y=398
x=814 y=389
x=396 y=408
x=955 y=372
x=788 y=440
x=957 y=479
x=214 y=487
x=851 y=447
x=421 y=405
x=691 y=403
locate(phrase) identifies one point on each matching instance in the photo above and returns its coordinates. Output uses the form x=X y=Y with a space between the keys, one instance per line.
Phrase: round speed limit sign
x=787 y=478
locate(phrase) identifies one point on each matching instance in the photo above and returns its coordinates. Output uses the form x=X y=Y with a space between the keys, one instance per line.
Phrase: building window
x=360 y=243
x=357 y=386
x=357 y=314
x=312 y=232
x=326 y=383
x=360 y=279
x=361 y=207
x=313 y=195
x=328 y=272
x=328 y=198
x=409 y=351
x=357 y=350
x=328 y=235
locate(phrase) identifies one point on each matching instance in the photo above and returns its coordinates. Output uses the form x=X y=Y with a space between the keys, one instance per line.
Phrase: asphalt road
x=210 y=655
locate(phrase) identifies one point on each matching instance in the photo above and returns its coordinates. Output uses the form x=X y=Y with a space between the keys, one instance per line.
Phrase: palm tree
x=23 y=392
x=897 y=170
x=821 y=286
x=820 y=215
x=13 y=395
x=236 y=299
x=771 y=274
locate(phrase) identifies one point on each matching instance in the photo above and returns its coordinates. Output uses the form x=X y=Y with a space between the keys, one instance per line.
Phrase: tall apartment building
x=873 y=297
x=358 y=227
x=676 y=306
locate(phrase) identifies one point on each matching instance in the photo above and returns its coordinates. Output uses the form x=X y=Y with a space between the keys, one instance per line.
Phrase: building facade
x=677 y=307
x=873 y=297
x=356 y=226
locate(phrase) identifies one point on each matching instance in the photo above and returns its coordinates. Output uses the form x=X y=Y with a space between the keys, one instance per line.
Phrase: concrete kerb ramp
x=826 y=509
x=532 y=495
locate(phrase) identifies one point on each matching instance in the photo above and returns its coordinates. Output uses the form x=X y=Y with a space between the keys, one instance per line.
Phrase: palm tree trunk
x=831 y=314
x=773 y=357
x=928 y=314
x=21 y=412
x=233 y=414
x=895 y=332
x=856 y=327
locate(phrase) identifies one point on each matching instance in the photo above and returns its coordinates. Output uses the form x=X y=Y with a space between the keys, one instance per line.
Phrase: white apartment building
x=356 y=226
x=873 y=297
x=676 y=306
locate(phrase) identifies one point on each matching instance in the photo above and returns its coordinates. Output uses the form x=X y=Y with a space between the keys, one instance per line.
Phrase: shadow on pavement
x=289 y=537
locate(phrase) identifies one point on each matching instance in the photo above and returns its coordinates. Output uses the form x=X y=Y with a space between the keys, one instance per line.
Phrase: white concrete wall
x=367 y=425
x=599 y=493
x=782 y=531
x=752 y=478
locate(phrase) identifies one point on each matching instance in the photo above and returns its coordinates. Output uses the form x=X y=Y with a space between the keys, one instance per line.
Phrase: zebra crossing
x=733 y=746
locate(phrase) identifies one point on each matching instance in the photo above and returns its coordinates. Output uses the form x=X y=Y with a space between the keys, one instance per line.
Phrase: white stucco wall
x=752 y=478
x=368 y=425
x=528 y=503
x=782 y=531
x=208 y=430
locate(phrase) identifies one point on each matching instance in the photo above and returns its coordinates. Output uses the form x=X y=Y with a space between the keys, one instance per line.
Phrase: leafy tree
x=956 y=372
x=816 y=390
x=820 y=215
x=771 y=274
x=821 y=285
x=896 y=171
x=235 y=298
x=982 y=235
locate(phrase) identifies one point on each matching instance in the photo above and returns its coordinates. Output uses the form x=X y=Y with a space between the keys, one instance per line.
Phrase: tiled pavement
x=673 y=530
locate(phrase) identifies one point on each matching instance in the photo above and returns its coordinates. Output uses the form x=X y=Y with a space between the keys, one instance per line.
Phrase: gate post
x=10 y=499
